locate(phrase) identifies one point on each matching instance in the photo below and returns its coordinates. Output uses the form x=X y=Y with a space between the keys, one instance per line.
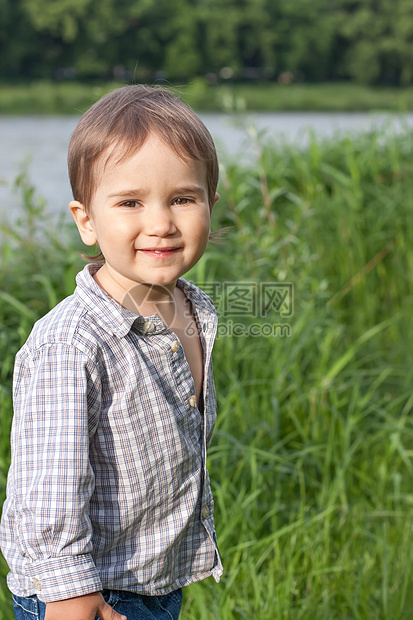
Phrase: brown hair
x=120 y=122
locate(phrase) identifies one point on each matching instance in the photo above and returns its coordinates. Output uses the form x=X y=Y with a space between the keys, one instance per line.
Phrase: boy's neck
x=141 y=298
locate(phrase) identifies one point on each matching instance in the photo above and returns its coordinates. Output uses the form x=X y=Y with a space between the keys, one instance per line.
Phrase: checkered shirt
x=108 y=485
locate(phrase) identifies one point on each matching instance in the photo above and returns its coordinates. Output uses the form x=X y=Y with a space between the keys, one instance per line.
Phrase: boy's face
x=150 y=216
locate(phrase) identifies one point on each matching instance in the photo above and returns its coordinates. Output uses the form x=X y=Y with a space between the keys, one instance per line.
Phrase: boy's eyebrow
x=125 y=193
x=188 y=189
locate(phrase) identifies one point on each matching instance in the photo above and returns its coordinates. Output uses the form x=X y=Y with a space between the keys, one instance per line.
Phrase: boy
x=109 y=509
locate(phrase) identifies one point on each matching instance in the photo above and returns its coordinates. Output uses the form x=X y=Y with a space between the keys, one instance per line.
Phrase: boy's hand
x=82 y=608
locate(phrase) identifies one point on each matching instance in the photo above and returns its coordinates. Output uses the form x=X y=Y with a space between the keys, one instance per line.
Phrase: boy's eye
x=182 y=201
x=130 y=203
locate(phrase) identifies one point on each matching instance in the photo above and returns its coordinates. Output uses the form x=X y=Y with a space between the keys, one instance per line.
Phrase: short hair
x=125 y=117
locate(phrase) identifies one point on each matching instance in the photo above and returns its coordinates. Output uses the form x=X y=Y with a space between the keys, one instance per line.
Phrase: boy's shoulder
x=86 y=319
x=60 y=325
x=75 y=321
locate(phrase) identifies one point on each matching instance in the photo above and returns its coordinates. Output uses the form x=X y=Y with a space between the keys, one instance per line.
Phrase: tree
x=369 y=41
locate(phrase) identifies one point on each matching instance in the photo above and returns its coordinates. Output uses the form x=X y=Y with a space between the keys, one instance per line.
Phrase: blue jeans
x=133 y=606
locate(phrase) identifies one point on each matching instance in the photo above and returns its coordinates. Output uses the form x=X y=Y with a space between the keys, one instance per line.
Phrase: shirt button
x=148 y=327
x=37 y=584
x=205 y=512
x=175 y=346
x=192 y=401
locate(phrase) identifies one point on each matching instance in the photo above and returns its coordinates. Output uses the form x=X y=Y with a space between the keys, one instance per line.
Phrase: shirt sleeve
x=56 y=404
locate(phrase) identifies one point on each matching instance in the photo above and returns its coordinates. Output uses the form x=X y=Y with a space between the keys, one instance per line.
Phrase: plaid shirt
x=108 y=485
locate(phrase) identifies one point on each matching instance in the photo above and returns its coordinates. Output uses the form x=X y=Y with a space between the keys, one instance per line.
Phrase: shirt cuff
x=57 y=579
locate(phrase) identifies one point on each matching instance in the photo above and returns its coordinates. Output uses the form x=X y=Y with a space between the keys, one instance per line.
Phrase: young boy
x=109 y=509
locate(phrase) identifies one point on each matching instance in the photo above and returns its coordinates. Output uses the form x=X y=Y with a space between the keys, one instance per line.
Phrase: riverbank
x=75 y=97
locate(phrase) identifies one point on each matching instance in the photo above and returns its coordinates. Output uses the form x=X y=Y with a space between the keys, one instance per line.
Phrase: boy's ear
x=83 y=222
x=217 y=197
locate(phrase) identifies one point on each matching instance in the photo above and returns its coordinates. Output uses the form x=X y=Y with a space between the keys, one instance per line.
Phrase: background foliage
x=368 y=41
x=311 y=462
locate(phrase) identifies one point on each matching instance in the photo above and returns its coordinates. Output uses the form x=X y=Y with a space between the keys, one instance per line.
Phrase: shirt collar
x=118 y=320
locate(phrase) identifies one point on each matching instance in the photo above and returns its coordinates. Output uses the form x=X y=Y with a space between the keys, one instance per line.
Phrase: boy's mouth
x=159 y=252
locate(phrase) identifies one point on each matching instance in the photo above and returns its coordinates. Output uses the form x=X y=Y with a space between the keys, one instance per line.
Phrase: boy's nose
x=159 y=222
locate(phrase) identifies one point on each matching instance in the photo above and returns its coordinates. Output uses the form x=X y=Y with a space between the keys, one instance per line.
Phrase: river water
x=41 y=143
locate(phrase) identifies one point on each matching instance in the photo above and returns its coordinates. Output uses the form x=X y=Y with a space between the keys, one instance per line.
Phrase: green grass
x=74 y=98
x=311 y=462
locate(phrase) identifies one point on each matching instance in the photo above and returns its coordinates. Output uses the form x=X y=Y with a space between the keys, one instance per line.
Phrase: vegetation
x=43 y=97
x=311 y=460
x=368 y=41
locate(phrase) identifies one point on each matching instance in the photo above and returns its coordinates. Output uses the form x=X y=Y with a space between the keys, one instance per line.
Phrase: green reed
x=311 y=462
